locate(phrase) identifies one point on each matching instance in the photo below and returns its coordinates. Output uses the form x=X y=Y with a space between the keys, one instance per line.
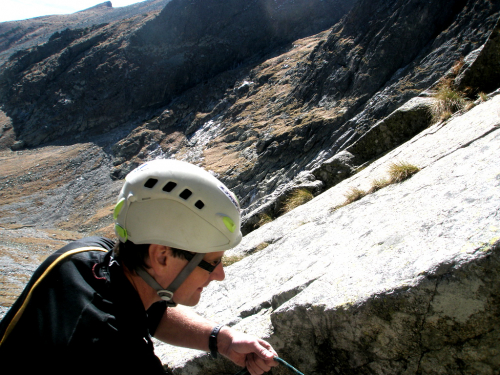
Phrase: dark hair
x=133 y=256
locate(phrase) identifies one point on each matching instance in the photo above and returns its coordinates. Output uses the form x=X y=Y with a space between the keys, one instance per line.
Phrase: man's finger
x=265 y=351
x=256 y=365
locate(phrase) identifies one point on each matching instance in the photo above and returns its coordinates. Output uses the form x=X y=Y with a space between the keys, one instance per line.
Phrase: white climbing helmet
x=177 y=204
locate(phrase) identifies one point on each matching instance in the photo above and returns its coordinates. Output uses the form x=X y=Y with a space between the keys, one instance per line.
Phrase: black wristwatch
x=212 y=341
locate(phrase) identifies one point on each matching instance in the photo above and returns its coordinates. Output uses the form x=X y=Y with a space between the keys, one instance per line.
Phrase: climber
x=93 y=306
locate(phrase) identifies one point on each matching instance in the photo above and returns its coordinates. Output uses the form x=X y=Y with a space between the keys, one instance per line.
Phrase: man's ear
x=158 y=256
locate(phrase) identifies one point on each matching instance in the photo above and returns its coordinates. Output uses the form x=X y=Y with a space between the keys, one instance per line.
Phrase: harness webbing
x=61 y=257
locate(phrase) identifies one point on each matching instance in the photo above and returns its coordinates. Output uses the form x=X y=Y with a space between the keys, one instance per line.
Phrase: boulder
x=484 y=72
x=402 y=124
x=336 y=169
x=403 y=281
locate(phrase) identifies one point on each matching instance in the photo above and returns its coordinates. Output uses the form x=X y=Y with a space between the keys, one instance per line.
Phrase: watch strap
x=212 y=341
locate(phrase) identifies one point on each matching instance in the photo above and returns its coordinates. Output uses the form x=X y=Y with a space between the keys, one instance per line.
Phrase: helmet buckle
x=165 y=295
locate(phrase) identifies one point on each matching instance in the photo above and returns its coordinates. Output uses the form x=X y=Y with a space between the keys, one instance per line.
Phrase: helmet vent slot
x=169 y=187
x=186 y=193
x=151 y=183
x=199 y=204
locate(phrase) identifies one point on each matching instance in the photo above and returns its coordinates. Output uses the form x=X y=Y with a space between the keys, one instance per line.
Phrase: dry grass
x=457 y=67
x=231 y=259
x=353 y=195
x=398 y=172
x=261 y=246
x=264 y=219
x=447 y=102
x=483 y=96
x=378 y=184
x=296 y=199
x=401 y=171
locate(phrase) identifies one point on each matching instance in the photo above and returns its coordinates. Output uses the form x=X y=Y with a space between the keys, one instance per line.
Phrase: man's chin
x=193 y=301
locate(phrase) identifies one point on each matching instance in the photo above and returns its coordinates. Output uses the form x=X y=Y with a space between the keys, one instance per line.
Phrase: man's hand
x=247 y=351
x=181 y=326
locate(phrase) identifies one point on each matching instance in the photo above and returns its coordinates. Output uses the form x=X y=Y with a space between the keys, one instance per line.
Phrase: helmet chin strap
x=167 y=294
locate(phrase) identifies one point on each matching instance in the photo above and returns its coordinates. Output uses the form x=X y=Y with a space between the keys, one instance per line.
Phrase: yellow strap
x=30 y=293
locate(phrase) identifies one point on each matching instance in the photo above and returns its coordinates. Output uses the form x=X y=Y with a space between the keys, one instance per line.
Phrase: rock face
x=375 y=60
x=485 y=62
x=403 y=281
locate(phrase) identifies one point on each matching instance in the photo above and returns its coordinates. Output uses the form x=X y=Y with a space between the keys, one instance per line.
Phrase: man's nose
x=218 y=273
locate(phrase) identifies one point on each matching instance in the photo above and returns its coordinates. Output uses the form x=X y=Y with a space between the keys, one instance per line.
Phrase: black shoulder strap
x=28 y=295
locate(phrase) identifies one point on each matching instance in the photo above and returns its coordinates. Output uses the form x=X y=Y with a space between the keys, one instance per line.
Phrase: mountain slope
x=96 y=79
x=19 y=35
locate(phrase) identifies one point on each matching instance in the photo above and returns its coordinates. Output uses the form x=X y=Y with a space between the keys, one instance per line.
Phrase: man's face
x=189 y=292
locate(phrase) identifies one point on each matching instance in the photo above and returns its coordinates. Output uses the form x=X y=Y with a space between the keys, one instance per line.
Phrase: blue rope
x=277 y=359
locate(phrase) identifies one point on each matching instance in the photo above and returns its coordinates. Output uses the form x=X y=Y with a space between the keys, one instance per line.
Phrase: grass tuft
x=296 y=199
x=378 y=184
x=353 y=195
x=401 y=171
x=231 y=259
x=447 y=102
x=264 y=219
x=261 y=246
x=398 y=172
x=455 y=69
x=483 y=96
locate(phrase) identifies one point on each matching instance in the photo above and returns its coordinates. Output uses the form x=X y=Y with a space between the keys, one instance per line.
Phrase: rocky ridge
x=265 y=115
x=19 y=35
x=58 y=192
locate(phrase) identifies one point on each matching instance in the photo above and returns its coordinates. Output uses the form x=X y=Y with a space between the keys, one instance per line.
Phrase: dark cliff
x=101 y=77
